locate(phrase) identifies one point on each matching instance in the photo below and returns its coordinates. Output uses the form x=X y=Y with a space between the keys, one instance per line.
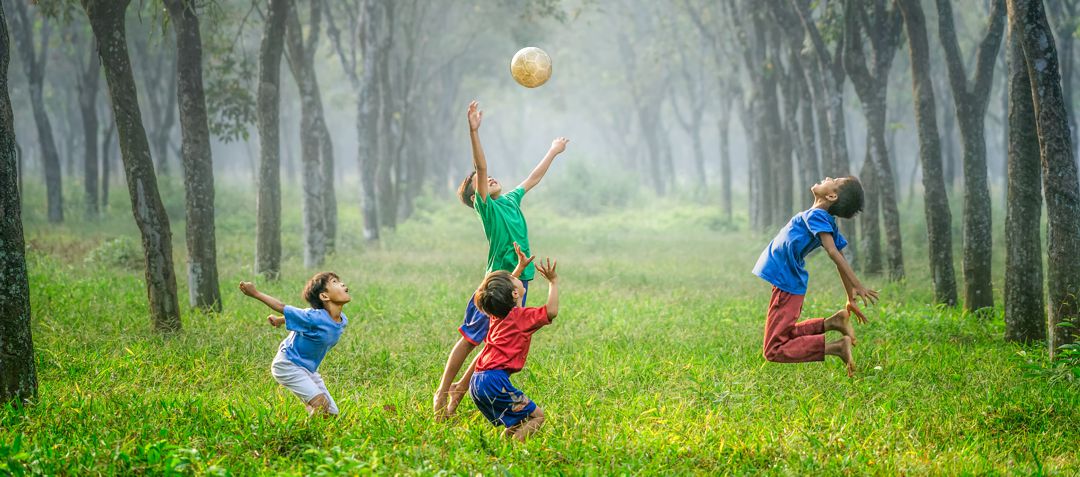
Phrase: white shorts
x=305 y=384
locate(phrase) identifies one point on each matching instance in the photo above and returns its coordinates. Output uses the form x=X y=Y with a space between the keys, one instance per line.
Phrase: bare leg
x=841 y=321
x=458 y=389
x=842 y=348
x=453 y=364
x=527 y=427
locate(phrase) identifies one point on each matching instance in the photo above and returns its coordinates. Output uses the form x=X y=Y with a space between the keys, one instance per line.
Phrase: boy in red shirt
x=507 y=344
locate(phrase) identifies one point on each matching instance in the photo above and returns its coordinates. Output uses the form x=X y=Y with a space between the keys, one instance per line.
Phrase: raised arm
x=852 y=286
x=479 y=161
x=548 y=271
x=249 y=289
x=557 y=147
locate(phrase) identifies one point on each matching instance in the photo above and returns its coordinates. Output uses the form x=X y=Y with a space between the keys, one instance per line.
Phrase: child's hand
x=559 y=145
x=475 y=115
x=523 y=261
x=854 y=309
x=869 y=297
x=548 y=270
x=248 y=288
x=275 y=321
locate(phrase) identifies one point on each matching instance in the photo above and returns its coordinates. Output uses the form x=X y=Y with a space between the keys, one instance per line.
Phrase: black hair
x=495 y=297
x=316 y=286
x=849 y=198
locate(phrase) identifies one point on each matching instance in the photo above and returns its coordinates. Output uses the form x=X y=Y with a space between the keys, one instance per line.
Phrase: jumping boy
x=782 y=265
x=312 y=332
x=504 y=225
x=502 y=296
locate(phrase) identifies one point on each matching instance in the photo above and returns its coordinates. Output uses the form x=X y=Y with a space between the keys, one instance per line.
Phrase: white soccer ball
x=531 y=67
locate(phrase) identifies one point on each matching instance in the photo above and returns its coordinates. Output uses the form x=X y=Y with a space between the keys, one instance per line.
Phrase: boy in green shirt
x=506 y=231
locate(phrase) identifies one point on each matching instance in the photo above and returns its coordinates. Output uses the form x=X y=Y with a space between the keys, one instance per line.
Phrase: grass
x=653 y=367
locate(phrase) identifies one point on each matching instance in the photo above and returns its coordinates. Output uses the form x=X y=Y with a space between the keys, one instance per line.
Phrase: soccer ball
x=531 y=67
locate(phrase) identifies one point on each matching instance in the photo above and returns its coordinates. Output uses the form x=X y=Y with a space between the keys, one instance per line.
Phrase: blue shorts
x=498 y=400
x=475 y=326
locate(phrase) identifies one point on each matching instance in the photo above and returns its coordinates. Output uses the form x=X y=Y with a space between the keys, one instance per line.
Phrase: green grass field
x=653 y=366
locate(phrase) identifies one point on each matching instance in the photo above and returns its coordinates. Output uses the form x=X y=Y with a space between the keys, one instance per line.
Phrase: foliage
x=121 y=252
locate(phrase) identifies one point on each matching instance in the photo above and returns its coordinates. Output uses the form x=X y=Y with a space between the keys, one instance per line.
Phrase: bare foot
x=439 y=404
x=845 y=354
x=841 y=321
x=457 y=393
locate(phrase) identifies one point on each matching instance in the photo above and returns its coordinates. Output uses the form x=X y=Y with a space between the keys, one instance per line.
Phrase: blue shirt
x=312 y=333
x=783 y=262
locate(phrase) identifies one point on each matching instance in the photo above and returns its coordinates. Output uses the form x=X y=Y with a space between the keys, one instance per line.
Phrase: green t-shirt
x=503 y=225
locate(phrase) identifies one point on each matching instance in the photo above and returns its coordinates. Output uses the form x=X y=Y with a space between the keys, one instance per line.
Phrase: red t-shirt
x=507 y=342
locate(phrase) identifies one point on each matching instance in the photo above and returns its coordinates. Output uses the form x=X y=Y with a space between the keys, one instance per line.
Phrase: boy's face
x=494 y=188
x=827 y=189
x=336 y=292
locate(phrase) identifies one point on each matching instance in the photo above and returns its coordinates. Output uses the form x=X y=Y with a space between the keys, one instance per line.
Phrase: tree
x=87 y=83
x=882 y=27
x=313 y=132
x=18 y=378
x=1025 y=311
x=938 y=217
x=268 y=203
x=1061 y=189
x=204 y=291
x=971 y=98
x=33 y=60
x=107 y=21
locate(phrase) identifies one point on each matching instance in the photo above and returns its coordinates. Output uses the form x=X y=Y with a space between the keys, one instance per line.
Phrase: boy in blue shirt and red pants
x=782 y=264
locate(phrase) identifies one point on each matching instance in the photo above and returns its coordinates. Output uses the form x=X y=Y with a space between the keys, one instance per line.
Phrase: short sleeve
x=516 y=195
x=533 y=319
x=481 y=205
x=819 y=221
x=296 y=319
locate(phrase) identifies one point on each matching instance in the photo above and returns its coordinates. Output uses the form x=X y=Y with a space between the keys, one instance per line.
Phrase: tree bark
x=268 y=203
x=1025 y=311
x=33 y=60
x=107 y=21
x=88 y=81
x=723 y=123
x=203 y=289
x=1060 y=185
x=106 y=161
x=18 y=377
x=367 y=123
x=871 y=84
x=936 y=202
x=312 y=173
x=971 y=99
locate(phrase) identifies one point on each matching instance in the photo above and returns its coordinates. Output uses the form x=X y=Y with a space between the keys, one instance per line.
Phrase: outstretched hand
x=523 y=261
x=248 y=288
x=559 y=145
x=546 y=268
x=475 y=116
x=854 y=309
x=868 y=296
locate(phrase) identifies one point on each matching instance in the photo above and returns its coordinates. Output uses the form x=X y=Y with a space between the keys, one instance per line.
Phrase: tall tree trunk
x=88 y=91
x=268 y=203
x=310 y=135
x=203 y=288
x=870 y=219
x=723 y=123
x=18 y=377
x=33 y=60
x=1060 y=185
x=871 y=84
x=107 y=21
x=106 y=160
x=971 y=98
x=367 y=123
x=1025 y=311
x=385 y=187
x=936 y=203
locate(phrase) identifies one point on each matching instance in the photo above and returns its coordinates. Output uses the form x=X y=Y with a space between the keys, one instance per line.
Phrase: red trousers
x=787 y=341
